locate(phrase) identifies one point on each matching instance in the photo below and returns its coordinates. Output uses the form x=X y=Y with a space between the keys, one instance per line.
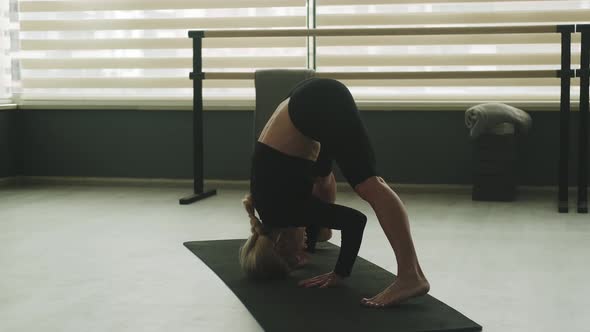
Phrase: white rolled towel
x=483 y=117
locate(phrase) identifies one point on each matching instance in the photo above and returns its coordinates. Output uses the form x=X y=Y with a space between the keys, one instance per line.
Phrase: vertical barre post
x=198 y=156
x=584 y=77
x=564 y=118
x=198 y=114
x=311 y=40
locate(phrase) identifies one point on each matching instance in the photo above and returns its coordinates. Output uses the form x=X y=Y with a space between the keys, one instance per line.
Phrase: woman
x=318 y=123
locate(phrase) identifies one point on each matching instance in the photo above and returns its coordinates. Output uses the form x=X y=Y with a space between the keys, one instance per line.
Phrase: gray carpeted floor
x=80 y=258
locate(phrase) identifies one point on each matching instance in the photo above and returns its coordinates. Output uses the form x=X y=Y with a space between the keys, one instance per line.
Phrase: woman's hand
x=323 y=281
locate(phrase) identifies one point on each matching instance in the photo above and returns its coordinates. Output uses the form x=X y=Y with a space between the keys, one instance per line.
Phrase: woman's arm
x=351 y=224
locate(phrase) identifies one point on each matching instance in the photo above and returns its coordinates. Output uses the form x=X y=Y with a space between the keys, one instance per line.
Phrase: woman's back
x=280 y=133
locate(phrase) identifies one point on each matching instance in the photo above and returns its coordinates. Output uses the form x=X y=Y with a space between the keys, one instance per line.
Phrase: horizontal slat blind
x=88 y=5
x=129 y=49
x=133 y=49
x=5 y=62
x=449 y=53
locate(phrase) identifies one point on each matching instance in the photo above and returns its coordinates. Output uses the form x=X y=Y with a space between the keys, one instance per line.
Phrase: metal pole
x=198 y=114
x=584 y=76
x=564 y=117
x=311 y=40
x=198 y=156
x=424 y=31
x=434 y=75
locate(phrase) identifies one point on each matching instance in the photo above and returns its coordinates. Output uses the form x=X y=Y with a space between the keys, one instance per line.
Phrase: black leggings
x=282 y=190
x=349 y=221
x=324 y=110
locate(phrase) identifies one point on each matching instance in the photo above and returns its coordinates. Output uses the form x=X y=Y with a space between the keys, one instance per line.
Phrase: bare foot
x=399 y=291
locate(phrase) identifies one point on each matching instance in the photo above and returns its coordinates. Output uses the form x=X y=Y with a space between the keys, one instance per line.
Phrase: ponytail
x=258 y=257
x=256 y=226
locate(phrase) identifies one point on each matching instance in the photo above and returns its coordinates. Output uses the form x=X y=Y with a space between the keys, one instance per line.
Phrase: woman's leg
x=325 y=110
x=393 y=218
x=316 y=233
x=324 y=188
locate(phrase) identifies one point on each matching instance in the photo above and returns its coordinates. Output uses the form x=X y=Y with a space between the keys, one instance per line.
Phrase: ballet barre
x=399 y=75
x=565 y=74
x=348 y=32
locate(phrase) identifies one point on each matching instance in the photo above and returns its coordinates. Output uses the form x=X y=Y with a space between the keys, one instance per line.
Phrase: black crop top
x=278 y=183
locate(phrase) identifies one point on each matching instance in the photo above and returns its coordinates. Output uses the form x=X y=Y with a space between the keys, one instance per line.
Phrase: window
x=5 y=52
x=137 y=52
x=448 y=53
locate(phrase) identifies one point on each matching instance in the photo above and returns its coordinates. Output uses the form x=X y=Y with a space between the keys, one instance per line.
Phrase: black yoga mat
x=283 y=306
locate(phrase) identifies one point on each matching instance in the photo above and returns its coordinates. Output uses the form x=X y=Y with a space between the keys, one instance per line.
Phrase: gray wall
x=9 y=143
x=411 y=147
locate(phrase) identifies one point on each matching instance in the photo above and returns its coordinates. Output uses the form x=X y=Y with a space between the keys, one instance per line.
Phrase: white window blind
x=138 y=51
x=5 y=59
x=449 y=52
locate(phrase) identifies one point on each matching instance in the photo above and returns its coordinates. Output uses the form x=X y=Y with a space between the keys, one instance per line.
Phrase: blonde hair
x=258 y=257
